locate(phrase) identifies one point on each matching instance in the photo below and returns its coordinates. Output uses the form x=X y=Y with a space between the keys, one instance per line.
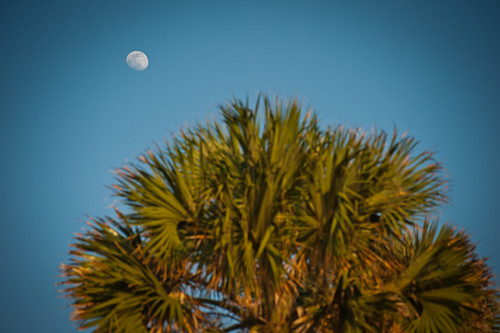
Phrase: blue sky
x=71 y=109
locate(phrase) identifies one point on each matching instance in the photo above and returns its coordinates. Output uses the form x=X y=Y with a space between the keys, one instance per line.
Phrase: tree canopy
x=264 y=221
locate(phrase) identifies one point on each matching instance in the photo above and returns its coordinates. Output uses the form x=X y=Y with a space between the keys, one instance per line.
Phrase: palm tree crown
x=264 y=222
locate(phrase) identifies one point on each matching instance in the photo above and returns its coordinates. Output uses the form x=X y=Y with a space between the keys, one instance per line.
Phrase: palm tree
x=273 y=224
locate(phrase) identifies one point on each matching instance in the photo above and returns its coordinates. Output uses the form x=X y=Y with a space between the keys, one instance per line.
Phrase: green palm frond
x=116 y=287
x=444 y=281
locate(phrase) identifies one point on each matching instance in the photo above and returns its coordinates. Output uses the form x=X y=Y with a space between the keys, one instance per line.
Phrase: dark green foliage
x=275 y=225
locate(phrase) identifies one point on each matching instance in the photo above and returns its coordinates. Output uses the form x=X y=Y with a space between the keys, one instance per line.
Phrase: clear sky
x=71 y=109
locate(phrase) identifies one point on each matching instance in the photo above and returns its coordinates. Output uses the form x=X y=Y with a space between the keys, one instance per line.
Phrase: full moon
x=137 y=60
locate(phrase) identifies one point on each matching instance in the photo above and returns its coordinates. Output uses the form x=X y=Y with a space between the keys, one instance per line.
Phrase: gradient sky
x=71 y=109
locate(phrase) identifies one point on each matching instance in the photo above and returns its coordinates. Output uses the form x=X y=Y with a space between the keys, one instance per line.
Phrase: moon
x=137 y=60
